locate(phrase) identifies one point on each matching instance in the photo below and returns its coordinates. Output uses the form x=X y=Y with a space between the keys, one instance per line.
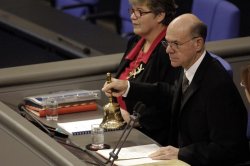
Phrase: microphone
x=134 y=118
x=138 y=108
x=60 y=137
x=53 y=133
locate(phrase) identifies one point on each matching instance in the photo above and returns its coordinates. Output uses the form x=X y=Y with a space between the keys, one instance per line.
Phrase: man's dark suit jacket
x=155 y=119
x=208 y=122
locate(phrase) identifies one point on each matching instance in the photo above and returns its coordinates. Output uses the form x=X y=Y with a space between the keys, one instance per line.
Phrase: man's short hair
x=199 y=29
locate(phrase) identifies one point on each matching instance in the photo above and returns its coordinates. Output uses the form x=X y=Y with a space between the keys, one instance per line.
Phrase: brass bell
x=112 y=118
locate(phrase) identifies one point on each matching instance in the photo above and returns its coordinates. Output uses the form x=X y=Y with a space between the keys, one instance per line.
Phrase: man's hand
x=116 y=88
x=165 y=153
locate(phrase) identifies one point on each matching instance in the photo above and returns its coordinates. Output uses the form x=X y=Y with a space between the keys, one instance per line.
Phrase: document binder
x=63 y=97
x=66 y=109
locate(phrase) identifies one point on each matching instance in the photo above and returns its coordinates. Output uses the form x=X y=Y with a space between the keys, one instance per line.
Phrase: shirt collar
x=191 y=71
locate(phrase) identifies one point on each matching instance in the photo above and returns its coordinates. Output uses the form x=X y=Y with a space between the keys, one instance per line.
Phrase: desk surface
x=135 y=138
x=29 y=136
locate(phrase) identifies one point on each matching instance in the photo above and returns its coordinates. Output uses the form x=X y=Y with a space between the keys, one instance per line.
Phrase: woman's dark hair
x=158 y=6
x=167 y=6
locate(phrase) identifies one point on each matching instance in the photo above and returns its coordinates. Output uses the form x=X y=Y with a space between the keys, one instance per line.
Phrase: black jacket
x=209 y=122
x=154 y=120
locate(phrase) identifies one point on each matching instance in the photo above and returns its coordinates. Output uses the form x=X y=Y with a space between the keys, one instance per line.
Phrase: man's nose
x=169 y=49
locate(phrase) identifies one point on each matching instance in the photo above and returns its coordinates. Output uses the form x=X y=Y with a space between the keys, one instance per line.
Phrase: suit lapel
x=196 y=82
x=177 y=95
x=189 y=92
x=122 y=67
x=125 y=62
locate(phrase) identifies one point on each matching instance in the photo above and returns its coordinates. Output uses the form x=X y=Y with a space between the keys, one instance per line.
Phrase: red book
x=65 y=109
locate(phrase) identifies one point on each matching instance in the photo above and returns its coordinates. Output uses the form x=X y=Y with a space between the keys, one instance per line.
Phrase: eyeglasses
x=175 y=44
x=138 y=13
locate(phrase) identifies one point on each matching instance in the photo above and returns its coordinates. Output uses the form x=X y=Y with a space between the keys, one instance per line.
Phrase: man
x=208 y=119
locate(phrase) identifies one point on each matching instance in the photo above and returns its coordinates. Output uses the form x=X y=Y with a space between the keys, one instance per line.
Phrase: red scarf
x=137 y=56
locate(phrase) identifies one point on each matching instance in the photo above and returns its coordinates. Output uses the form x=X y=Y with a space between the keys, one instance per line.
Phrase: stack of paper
x=138 y=156
x=78 y=127
x=133 y=155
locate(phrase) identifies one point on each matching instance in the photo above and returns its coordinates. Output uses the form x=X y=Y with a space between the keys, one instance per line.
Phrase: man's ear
x=160 y=17
x=199 y=44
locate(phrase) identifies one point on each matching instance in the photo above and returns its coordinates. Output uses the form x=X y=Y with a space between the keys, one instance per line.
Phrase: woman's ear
x=160 y=17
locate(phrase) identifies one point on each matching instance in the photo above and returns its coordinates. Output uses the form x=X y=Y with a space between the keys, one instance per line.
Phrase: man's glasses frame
x=176 y=44
x=138 y=13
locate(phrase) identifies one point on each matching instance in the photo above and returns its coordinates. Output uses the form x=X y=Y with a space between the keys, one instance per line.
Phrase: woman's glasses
x=137 y=12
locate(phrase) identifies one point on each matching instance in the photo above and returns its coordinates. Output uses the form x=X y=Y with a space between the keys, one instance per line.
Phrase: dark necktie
x=184 y=83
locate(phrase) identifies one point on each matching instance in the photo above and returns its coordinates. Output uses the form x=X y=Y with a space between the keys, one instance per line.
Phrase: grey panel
x=24 y=144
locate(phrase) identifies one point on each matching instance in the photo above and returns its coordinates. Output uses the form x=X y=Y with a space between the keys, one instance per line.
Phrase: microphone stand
x=114 y=154
x=130 y=125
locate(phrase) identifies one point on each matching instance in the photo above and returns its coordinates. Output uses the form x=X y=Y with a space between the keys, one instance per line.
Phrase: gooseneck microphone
x=134 y=118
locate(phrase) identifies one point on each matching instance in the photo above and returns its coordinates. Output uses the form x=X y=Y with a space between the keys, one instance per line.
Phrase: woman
x=145 y=60
x=245 y=83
